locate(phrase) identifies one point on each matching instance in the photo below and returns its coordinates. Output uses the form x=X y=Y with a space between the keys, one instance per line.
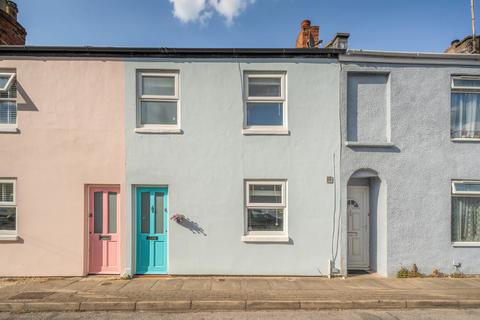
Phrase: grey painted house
x=409 y=166
x=241 y=146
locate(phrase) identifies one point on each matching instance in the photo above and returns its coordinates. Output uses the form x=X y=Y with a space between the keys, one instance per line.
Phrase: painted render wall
x=70 y=117
x=205 y=167
x=417 y=170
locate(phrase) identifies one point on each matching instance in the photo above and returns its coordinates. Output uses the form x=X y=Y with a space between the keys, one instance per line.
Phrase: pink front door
x=104 y=227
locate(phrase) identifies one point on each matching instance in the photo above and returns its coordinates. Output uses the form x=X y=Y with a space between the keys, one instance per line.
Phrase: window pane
x=8 y=218
x=467 y=187
x=465 y=219
x=112 y=212
x=158 y=86
x=465 y=115
x=4 y=80
x=6 y=192
x=265 y=219
x=265 y=193
x=159 y=208
x=264 y=114
x=8 y=112
x=145 y=212
x=98 y=212
x=473 y=83
x=154 y=112
x=264 y=87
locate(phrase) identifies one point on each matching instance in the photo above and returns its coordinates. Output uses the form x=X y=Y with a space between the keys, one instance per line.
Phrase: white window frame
x=7 y=85
x=463 y=89
x=283 y=129
x=475 y=194
x=9 y=127
x=157 y=128
x=10 y=234
x=266 y=236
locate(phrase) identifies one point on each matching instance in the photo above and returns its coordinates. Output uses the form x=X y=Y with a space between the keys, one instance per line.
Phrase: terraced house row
x=310 y=161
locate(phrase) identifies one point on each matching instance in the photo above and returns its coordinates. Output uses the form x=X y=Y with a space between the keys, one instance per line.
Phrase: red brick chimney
x=308 y=35
x=11 y=32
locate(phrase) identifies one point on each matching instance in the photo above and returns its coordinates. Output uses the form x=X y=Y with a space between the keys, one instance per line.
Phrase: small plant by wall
x=409 y=273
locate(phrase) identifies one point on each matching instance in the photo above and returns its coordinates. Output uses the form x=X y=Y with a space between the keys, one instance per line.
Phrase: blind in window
x=6 y=192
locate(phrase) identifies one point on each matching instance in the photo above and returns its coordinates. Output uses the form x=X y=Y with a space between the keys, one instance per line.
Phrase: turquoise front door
x=152 y=227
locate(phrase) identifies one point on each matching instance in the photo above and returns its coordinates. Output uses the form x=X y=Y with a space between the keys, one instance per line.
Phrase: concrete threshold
x=229 y=305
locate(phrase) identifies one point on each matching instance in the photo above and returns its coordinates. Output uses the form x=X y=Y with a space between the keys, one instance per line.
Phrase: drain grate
x=32 y=295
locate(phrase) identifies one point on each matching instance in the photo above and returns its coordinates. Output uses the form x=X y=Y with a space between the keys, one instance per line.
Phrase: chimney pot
x=308 y=35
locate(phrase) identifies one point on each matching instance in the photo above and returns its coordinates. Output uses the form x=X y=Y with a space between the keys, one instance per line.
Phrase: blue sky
x=401 y=25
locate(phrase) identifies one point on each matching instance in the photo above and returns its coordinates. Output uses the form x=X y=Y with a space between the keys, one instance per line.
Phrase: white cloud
x=201 y=10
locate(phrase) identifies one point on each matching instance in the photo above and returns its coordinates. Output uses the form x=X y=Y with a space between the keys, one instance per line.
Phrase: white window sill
x=158 y=130
x=8 y=129
x=280 y=132
x=465 y=139
x=465 y=244
x=8 y=237
x=369 y=145
x=265 y=238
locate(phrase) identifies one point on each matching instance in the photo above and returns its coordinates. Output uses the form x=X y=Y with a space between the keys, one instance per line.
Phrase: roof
x=410 y=57
x=120 y=52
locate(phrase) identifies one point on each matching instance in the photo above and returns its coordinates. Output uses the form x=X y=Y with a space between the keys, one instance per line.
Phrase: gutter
x=352 y=55
x=162 y=52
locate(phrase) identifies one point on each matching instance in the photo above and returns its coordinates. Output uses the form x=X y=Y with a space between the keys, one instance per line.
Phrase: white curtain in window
x=465 y=118
x=466 y=219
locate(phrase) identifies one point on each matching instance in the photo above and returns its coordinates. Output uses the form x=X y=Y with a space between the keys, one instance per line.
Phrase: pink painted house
x=61 y=166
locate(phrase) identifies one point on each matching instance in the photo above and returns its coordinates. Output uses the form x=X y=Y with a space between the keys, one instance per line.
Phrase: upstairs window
x=465 y=108
x=8 y=100
x=158 y=101
x=465 y=211
x=8 y=208
x=265 y=103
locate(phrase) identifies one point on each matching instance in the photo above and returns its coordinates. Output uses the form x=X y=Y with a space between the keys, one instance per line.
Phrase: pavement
x=404 y=314
x=187 y=294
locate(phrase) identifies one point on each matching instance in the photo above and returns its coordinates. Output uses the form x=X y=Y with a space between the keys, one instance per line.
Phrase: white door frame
x=364 y=264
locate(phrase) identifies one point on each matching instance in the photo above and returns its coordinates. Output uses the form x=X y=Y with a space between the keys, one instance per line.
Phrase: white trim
x=11 y=76
x=7 y=237
x=368 y=144
x=282 y=99
x=459 y=244
x=266 y=131
x=463 y=88
x=9 y=128
x=265 y=238
x=455 y=192
x=464 y=139
x=268 y=183
x=158 y=128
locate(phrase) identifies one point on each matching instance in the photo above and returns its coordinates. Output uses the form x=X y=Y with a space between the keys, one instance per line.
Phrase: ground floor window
x=265 y=207
x=8 y=209
x=466 y=211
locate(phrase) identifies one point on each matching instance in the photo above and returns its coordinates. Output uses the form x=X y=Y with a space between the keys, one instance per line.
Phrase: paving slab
x=167 y=285
x=197 y=284
x=218 y=305
x=163 y=305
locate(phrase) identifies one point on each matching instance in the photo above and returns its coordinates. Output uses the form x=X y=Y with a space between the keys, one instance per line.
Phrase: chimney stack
x=11 y=32
x=308 y=35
